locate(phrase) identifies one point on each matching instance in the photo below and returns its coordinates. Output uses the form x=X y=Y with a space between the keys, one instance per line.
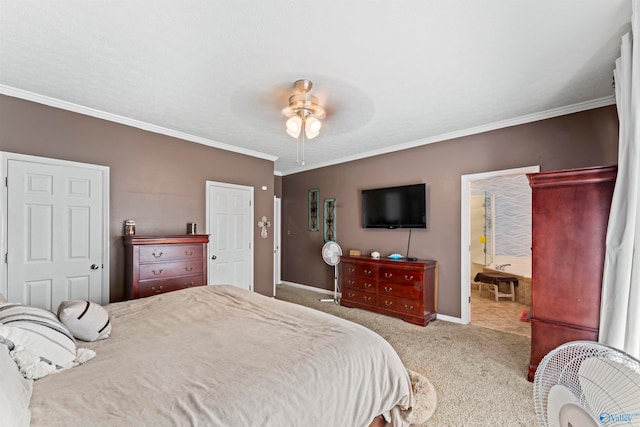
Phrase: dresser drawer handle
x=156 y=274
x=367 y=298
x=156 y=256
x=408 y=307
x=388 y=289
x=368 y=285
x=351 y=294
x=188 y=268
x=157 y=291
x=388 y=303
x=188 y=285
x=408 y=277
x=351 y=269
x=368 y=272
x=351 y=282
x=388 y=275
x=188 y=253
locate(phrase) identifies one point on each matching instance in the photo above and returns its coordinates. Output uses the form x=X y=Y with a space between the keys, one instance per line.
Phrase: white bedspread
x=222 y=356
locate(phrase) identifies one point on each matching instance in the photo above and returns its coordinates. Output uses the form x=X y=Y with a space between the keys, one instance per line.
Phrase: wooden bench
x=494 y=279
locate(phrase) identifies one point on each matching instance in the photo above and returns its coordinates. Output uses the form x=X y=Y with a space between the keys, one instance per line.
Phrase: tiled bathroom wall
x=512 y=204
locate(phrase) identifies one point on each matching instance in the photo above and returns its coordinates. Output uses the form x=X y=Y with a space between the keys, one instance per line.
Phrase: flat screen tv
x=395 y=207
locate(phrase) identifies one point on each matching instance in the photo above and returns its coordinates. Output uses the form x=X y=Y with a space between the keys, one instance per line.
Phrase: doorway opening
x=496 y=236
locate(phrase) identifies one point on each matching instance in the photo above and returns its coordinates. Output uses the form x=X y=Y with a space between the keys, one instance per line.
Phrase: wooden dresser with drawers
x=158 y=264
x=404 y=289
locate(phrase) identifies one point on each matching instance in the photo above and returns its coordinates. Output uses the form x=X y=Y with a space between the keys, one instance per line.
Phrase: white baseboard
x=307 y=287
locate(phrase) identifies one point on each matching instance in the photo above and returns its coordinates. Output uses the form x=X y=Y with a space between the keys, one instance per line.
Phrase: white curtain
x=620 y=307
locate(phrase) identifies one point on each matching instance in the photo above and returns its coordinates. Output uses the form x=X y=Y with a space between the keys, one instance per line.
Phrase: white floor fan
x=583 y=383
x=331 y=252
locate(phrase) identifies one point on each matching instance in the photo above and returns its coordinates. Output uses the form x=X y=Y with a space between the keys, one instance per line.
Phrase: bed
x=223 y=356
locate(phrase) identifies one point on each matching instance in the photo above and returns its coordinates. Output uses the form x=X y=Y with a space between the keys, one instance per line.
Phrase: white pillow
x=2 y=298
x=39 y=334
x=86 y=320
x=15 y=392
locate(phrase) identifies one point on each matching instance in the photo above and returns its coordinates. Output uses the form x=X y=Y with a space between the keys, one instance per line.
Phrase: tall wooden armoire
x=569 y=227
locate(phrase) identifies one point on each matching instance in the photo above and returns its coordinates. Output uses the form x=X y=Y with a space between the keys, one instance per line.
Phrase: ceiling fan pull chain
x=304 y=125
x=298 y=149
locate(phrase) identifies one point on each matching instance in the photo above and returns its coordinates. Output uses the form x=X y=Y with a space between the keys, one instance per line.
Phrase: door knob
x=214 y=257
x=95 y=266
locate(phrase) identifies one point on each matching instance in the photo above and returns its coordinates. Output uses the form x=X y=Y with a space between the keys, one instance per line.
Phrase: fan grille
x=331 y=253
x=603 y=380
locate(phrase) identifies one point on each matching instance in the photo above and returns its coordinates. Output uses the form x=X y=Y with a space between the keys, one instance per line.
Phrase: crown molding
x=529 y=118
x=69 y=106
x=80 y=109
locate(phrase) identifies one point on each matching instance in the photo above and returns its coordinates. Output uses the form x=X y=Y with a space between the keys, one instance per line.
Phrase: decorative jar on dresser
x=158 y=264
x=404 y=289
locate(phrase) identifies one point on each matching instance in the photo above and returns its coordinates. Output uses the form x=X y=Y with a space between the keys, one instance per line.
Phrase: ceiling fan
x=304 y=113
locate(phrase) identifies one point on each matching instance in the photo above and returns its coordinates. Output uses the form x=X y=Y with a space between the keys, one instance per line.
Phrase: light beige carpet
x=479 y=374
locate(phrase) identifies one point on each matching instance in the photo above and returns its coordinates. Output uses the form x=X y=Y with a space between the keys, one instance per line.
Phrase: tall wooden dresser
x=404 y=289
x=569 y=226
x=158 y=264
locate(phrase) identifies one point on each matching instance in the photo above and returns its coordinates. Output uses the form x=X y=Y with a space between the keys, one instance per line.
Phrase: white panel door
x=54 y=234
x=229 y=223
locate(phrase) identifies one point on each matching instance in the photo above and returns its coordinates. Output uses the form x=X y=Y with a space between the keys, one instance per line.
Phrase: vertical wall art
x=329 y=220
x=314 y=217
x=262 y=225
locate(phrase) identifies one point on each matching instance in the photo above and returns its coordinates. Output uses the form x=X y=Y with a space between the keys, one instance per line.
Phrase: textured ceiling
x=391 y=74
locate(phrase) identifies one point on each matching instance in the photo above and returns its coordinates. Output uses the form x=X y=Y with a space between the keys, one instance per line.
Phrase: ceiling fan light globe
x=314 y=124
x=293 y=133
x=294 y=126
x=311 y=135
x=312 y=127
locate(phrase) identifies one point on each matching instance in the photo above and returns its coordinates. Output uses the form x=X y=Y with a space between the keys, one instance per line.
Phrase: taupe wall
x=156 y=180
x=277 y=186
x=578 y=140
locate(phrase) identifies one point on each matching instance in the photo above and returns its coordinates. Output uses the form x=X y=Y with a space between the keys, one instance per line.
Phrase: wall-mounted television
x=395 y=207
